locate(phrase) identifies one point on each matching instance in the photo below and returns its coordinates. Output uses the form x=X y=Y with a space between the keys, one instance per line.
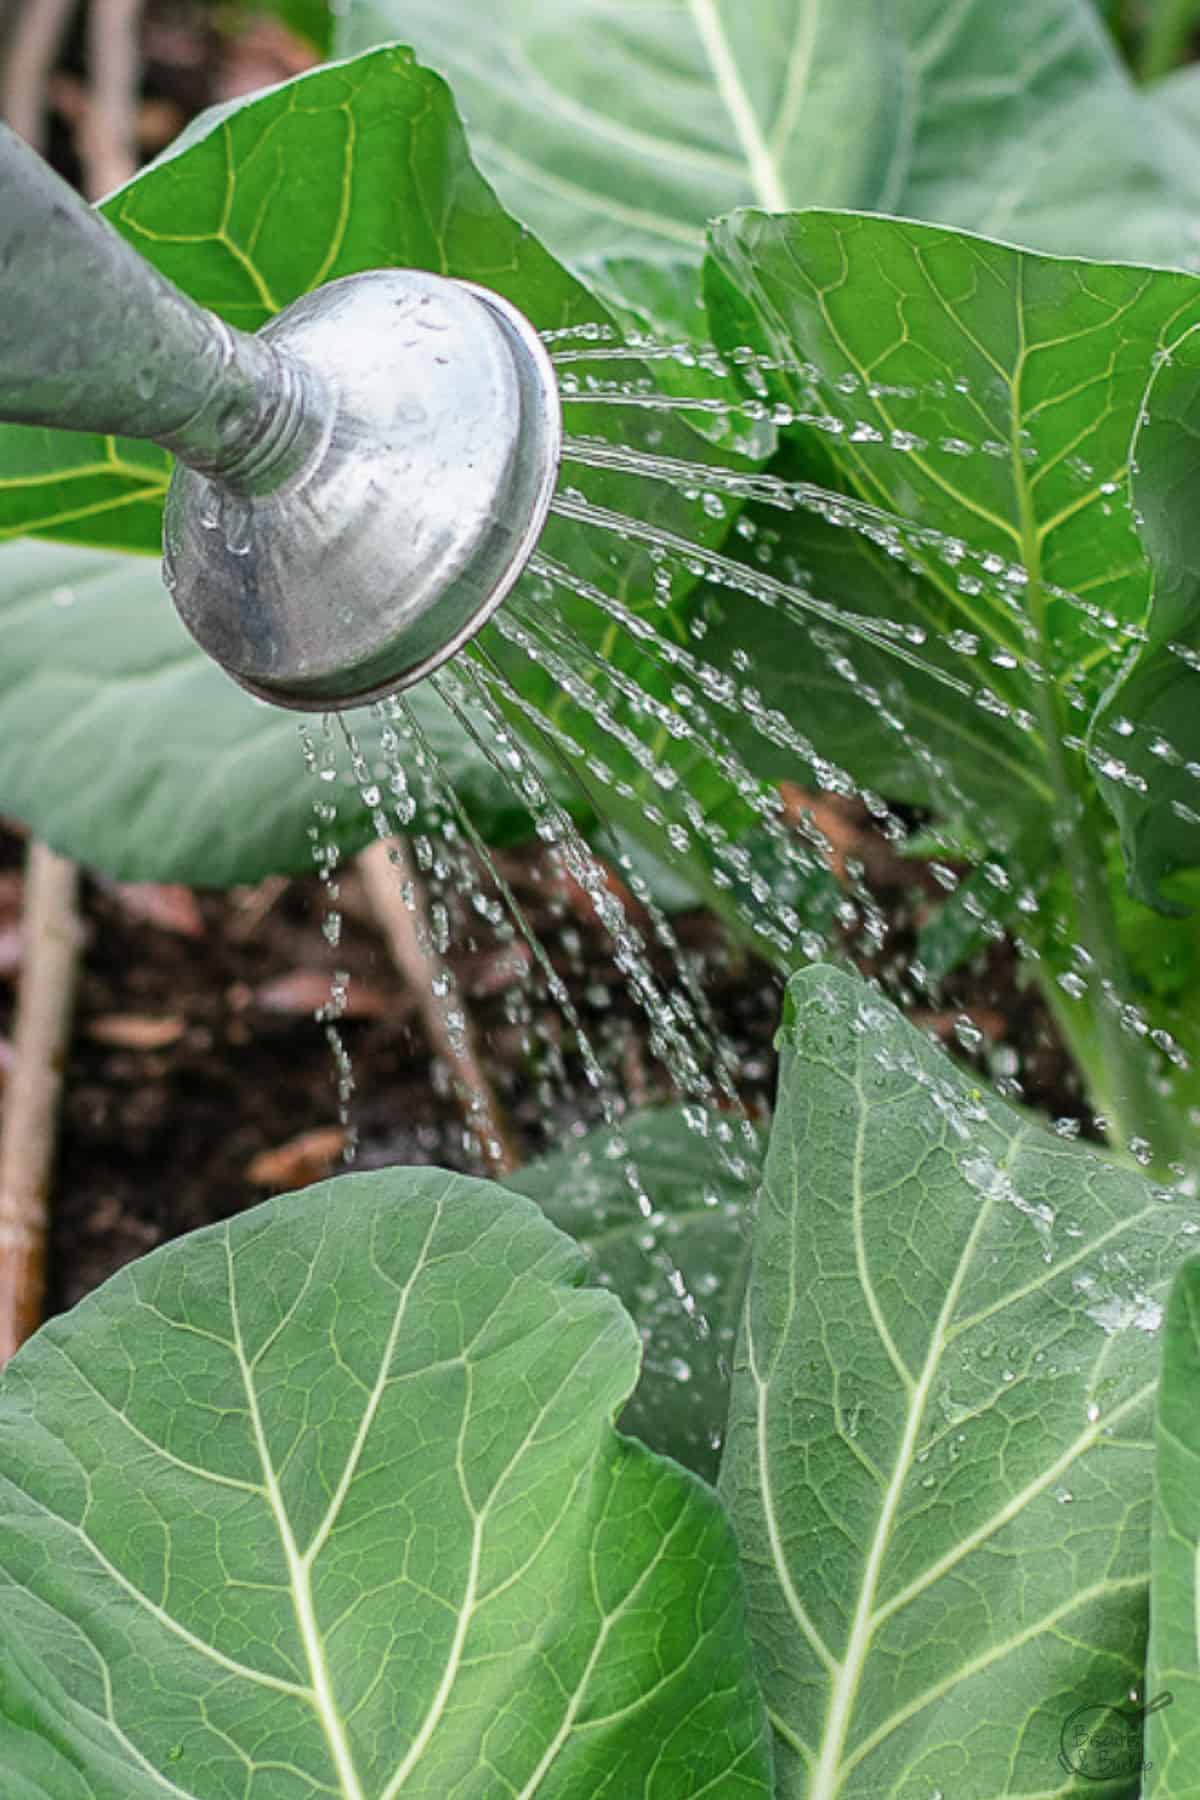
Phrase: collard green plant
x=328 y=1500
x=938 y=1457
x=985 y=401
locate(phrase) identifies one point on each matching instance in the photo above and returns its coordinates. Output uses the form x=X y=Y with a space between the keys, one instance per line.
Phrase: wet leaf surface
x=666 y=1205
x=938 y=1458
x=1173 y=1660
x=989 y=395
x=1149 y=723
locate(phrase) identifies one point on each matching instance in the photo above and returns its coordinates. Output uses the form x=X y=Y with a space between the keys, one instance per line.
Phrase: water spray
x=357 y=485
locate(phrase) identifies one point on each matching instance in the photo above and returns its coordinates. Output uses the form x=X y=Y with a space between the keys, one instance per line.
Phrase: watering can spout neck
x=93 y=338
x=266 y=419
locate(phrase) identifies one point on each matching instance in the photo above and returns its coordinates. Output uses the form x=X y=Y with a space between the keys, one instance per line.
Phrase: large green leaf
x=1055 y=148
x=616 y=128
x=1173 y=1662
x=688 y=1219
x=938 y=1459
x=127 y=748
x=328 y=1501
x=988 y=394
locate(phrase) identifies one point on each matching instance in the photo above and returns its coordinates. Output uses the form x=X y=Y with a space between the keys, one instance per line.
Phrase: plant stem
x=1120 y=1069
x=393 y=888
x=1118 y=1066
x=1165 y=42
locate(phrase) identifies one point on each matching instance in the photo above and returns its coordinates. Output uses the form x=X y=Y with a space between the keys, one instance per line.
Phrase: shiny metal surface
x=411 y=517
x=358 y=485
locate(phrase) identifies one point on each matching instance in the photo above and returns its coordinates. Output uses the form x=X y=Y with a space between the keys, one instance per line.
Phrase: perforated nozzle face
x=419 y=434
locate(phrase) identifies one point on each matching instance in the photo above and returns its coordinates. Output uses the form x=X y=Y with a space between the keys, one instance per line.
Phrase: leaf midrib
x=827 y=1778
x=800 y=61
x=299 y=1584
x=765 y=175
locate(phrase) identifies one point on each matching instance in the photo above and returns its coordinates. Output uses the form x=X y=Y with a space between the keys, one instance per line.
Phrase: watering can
x=357 y=485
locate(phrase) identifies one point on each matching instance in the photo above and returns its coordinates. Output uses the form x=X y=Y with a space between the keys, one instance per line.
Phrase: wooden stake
x=107 y=133
x=53 y=937
x=33 y=43
x=394 y=890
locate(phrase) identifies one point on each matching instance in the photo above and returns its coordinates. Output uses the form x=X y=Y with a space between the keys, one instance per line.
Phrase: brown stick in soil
x=29 y=51
x=107 y=133
x=53 y=936
x=394 y=890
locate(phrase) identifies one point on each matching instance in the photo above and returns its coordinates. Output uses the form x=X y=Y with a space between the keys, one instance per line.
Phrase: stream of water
x=595 y=697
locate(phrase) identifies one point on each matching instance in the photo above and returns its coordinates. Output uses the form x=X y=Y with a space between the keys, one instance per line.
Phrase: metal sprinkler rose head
x=358 y=485
x=404 y=496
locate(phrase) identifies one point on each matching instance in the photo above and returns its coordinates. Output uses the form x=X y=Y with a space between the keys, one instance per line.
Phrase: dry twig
x=32 y=47
x=53 y=935
x=107 y=134
x=391 y=882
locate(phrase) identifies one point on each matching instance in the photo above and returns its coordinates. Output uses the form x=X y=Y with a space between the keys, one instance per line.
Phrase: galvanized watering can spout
x=358 y=485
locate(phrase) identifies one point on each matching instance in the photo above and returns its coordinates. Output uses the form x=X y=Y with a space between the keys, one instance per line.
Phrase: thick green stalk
x=1168 y=29
x=1117 y=1065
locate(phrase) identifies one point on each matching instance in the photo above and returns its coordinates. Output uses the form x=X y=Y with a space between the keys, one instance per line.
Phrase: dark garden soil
x=199 y=1080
